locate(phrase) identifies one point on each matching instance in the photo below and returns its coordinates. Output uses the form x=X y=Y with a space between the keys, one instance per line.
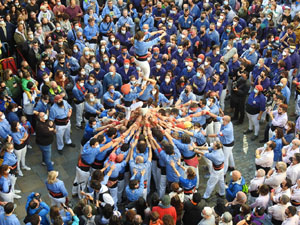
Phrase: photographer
x=35 y=205
x=240 y=89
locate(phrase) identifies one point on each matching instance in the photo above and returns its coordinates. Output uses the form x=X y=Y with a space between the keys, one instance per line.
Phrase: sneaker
x=20 y=173
x=26 y=168
x=248 y=131
x=17 y=196
x=29 y=146
x=17 y=191
x=44 y=164
x=71 y=145
x=60 y=152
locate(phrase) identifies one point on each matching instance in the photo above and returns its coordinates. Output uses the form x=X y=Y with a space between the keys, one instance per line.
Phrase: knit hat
x=166 y=200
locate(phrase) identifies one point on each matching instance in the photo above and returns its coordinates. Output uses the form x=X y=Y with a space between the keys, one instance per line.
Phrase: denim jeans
x=46 y=151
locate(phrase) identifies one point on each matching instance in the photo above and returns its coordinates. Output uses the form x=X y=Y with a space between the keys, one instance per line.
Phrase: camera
x=37 y=196
x=234 y=84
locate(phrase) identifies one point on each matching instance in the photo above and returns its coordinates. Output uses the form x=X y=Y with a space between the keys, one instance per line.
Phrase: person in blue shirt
x=158 y=98
x=185 y=21
x=91 y=31
x=90 y=13
x=168 y=87
x=94 y=86
x=214 y=85
x=126 y=21
x=255 y=107
x=111 y=10
x=148 y=19
x=189 y=71
x=134 y=190
x=180 y=55
x=170 y=28
x=204 y=38
x=112 y=78
x=91 y=4
x=71 y=36
x=144 y=91
x=5 y=131
x=56 y=188
x=186 y=96
x=250 y=56
x=7 y=189
x=141 y=49
x=190 y=182
x=198 y=82
x=79 y=93
x=287 y=34
x=158 y=11
x=236 y=184
x=34 y=205
x=60 y=113
x=213 y=35
x=11 y=112
x=226 y=137
x=111 y=98
x=216 y=156
x=126 y=71
x=20 y=136
x=158 y=72
x=107 y=26
x=8 y=218
x=92 y=107
x=10 y=159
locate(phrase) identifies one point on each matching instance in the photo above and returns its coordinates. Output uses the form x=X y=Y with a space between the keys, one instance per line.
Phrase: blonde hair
x=52 y=175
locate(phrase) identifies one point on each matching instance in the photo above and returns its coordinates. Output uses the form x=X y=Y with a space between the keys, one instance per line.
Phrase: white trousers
x=21 y=154
x=57 y=201
x=162 y=185
x=228 y=158
x=114 y=194
x=133 y=107
x=253 y=122
x=80 y=182
x=7 y=197
x=61 y=133
x=79 y=112
x=222 y=98
x=145 y=67
x=216 y=177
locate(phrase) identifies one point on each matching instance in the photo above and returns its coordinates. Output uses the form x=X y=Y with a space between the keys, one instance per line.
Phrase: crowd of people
x=156 y=87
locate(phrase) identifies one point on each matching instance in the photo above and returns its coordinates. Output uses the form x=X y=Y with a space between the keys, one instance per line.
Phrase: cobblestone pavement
x=33 y=181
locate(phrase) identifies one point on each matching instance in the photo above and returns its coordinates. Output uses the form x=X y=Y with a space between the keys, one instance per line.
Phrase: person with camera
x=239 y=92
x=35 y=205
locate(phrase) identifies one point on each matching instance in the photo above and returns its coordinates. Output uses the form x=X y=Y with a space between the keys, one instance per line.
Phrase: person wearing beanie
x=60 y=114
x=255 y=107
x=164 y=208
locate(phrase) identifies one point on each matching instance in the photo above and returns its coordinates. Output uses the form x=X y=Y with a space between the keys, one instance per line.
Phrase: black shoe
x=233 y=119
x=248 y=131
x=60 y=152
x=237 y=123
x=231 y=168
x=262 y=141
x=71 y=145
x=254 y=137
x=220 y=196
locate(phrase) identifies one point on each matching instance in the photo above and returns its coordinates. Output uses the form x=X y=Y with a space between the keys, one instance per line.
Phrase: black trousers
x=239 y=107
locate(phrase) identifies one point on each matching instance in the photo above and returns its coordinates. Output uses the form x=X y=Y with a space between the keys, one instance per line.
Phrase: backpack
x=89 y=221
x=27 y=219
x=245 y=188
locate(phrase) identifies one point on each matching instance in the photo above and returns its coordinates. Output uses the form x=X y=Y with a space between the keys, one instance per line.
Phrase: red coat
x=165 y=211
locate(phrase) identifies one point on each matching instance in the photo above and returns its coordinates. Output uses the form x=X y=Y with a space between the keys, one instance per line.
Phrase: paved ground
x=33 y=181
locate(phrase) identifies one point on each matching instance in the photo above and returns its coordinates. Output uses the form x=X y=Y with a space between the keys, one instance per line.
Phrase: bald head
x=284 y=81
x=236 y=175
x=139 y=159
x=53 y=84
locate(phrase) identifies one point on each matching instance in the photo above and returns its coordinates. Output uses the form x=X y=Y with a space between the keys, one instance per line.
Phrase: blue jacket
x=234 y=188
x=43 y=212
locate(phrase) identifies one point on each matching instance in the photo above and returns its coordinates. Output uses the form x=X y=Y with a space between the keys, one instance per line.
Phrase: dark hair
x=100 y=138
x=30 y=84
x=185 y=138
x=263 y=189
x=35 y=219
x=272 y=145
x=111 y=131
x=14 y=126
x=132 y=184
x=125 y=147
x=107 y=211
x=93 y=141
x=279 y=132
x=9 y=207
x=97 y=175
x=168 y=220
x=169 y=149
x=141 y=147
x=197 y=197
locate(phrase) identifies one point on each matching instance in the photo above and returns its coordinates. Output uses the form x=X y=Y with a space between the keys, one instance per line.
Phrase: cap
x=227 y=217
x=126 y=61
x=189 y=60
x=259 y=87
x=57 y=98
x=201 y=56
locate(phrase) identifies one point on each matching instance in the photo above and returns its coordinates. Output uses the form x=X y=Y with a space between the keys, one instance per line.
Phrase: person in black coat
x=240 y=89
x=193 y=209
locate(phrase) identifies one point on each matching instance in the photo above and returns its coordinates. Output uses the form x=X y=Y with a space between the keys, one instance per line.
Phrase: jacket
x=234 y=188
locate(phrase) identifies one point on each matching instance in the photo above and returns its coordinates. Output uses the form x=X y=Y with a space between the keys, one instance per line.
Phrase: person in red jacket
x=164 y=208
